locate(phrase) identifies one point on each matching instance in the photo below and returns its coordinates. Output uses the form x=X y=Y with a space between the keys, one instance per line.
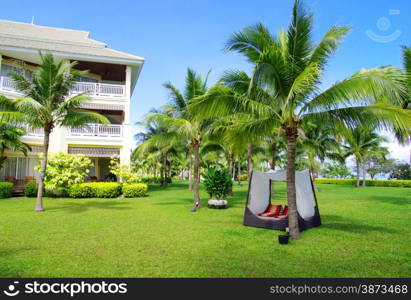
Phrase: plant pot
x=283 y=239
x=217 y=203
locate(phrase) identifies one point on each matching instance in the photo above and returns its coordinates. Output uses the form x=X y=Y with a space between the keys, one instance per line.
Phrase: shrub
x=107 y=189
x=368 y=182
x=64 y=170
x=150 y=180
x=135 y=190
x=244 y=177
x=124 y=172
x=95 y=189
x=83 y=190
x=6 y=189
x=217 y=183
x=30 y=189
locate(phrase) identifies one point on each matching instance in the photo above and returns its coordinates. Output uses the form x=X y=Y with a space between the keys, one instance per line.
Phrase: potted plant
x=218 y=185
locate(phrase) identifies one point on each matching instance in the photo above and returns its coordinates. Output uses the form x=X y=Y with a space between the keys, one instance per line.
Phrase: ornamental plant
x=124 y=172
x=217 y=183
x=64 y=170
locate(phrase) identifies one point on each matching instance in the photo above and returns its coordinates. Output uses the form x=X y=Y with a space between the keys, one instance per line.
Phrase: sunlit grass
x=365 y=232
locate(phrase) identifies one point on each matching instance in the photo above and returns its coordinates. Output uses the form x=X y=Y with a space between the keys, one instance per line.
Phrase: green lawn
x=365 y=233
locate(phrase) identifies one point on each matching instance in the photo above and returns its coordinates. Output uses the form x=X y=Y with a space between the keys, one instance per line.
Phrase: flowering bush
x=123 y=172
x=64 y=170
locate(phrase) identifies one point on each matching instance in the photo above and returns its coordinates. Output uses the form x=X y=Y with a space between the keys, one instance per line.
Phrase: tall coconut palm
x=47 y=104
x=10 y=139
x=158 y=142
x=181 y=121
x=319 y=143
x=360 y=142
x=289 y=67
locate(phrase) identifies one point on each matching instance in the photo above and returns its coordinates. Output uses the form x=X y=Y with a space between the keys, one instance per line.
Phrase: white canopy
x=259 y=195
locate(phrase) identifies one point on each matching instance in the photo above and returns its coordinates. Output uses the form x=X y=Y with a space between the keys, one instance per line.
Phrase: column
x=1 y=81
x=127 y=129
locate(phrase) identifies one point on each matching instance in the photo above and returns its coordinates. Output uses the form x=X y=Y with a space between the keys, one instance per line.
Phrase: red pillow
x=275 y=210
x=284 y=213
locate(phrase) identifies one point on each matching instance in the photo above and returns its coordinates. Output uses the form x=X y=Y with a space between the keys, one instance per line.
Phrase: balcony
x=94 y=90
x=99 y=89
x=37 y=132
x=97 y=130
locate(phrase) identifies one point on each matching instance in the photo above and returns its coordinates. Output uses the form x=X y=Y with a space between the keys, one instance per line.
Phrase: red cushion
x=284 y=212
x=275 y=210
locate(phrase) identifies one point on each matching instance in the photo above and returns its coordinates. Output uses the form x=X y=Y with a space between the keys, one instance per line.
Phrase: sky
x=175 y=34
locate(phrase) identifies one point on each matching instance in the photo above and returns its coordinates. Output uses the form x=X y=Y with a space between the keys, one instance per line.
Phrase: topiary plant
x=217 y=183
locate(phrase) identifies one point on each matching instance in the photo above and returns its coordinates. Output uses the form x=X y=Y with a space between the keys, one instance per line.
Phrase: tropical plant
x=289 y=69
x=217 y=183
x=361 y=142
x=183 y=125
x=377 y=162
x=336 y=170
x=123 y=172
x=64 y=170
x=10 y=139
x=156 y=144
x=401 y=171
x=47 y=104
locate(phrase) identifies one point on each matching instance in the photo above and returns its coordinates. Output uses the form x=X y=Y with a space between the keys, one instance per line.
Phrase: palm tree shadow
x=78 y=207
x=393 y=200
x=349 y=225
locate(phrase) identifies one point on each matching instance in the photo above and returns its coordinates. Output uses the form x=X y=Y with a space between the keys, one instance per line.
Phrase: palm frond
x=364 y=87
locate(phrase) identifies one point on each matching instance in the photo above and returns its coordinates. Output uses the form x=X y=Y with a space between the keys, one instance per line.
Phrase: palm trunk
x=291 y=190
x=165 y=176
x=358 y=172
x=196 y=148
x=249 y=161
x=39 y=201
x=230 y=168
x=190 y=174
x=239 y=172
x=274 y=157
x=363 y=175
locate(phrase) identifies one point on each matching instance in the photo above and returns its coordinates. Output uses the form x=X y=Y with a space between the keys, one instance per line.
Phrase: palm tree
x=10 y=139
x=361 y=142
x=181 y=121
x=289 y=69
x=156 y=142
x=46 y=104
x=319 y=143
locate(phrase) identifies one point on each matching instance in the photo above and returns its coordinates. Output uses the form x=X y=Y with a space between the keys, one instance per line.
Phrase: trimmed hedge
x=368 y=182
x=30 y=189
x=6 y=189
x=135 y=190
x=95 y=190
x=243 y=177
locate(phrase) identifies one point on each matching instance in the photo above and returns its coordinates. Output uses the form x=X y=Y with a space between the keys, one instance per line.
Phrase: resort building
x=109 y=83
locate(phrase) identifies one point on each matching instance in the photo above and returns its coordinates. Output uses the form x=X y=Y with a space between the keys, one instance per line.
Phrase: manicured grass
x=365 y=233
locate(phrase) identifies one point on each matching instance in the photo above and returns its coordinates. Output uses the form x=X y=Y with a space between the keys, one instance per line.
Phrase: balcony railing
x=90 y=88
x=97 y=130
x=99 y=89
x=37 y=132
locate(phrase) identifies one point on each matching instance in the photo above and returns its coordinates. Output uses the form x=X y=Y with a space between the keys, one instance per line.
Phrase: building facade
x=110 y=81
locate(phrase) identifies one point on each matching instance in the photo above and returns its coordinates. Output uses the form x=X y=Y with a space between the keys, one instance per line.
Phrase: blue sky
x=175 y=34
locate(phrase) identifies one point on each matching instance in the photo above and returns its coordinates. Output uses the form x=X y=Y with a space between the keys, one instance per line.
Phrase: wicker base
x=253 y=220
